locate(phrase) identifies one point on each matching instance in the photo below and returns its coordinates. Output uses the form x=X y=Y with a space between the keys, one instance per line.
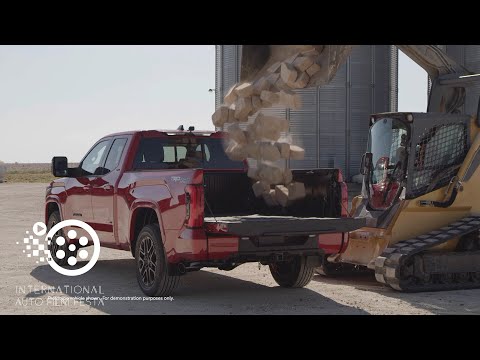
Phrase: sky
x=59 y=100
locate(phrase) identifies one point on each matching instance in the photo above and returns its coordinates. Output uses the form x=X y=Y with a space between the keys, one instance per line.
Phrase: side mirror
x=366 y=163
x=60 y=166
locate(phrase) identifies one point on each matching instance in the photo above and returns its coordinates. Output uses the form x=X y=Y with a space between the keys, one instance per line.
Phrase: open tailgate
x=260 y=225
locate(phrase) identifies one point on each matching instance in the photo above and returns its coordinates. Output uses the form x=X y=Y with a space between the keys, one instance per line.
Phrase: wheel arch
x=50 y=207
x=142 y=214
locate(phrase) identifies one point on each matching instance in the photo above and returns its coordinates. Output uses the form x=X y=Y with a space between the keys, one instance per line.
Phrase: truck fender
x=141 y=203
x=52 y=199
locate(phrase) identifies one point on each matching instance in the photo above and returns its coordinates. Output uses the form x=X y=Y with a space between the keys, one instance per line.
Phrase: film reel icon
x=83 y=254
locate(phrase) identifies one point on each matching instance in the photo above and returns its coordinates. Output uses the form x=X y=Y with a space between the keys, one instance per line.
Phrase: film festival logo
x=39 y=244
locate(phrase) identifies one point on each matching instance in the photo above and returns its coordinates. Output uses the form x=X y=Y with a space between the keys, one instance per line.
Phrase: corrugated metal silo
x=332 y=124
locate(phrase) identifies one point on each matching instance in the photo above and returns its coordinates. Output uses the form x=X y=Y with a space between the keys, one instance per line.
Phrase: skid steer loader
x=421 y=176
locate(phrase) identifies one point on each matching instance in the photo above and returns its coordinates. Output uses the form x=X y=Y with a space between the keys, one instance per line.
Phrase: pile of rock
x=262 y=140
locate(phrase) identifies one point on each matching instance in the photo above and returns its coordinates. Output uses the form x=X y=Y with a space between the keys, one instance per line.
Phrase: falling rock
x=222 y=115
x=236 y=152
x=311 y=53
x=244 y=90
x=289 y=99
x=302 y=63
x=288 y=74
x=269 y=96
x=292 y=59
x=280 y=85
x=281 y=195
x=297 y=153
x=256 y=103
x=284 y=149
x=287 y=177
x=269 y=198
x=272 y=79
x=274 y=67
x=261 y=84
x=270 y=174
x=260 y=187
x=236 y=134
x=231 y=96
x=252 y=173
x=252 y=132
x=248 y=136
x=296 y=191
x=302 y=81
x=243 y=108
x=266 y=104
x=269 y=127
x=253 y=150
x=269 y=152
x=312 y=70
x=264 y=120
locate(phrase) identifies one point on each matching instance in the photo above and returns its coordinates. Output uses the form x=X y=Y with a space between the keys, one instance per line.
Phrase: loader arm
x=447 y=94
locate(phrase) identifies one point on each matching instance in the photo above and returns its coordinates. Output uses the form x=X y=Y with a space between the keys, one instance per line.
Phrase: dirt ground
x=29 y=288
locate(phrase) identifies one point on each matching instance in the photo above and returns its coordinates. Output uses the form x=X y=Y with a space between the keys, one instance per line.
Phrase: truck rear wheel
x=152 y=266
x=54 y=247
x=292 y=274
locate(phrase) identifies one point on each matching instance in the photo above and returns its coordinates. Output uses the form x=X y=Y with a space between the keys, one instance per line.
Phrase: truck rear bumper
x=258 y=225
x=276 y=248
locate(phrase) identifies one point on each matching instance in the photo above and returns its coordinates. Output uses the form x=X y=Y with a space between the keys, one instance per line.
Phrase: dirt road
x=29 y=288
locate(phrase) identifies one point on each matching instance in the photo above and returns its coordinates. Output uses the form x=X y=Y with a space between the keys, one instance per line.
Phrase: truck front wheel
x=59 y=249
x=293 y=273
x=152 y=266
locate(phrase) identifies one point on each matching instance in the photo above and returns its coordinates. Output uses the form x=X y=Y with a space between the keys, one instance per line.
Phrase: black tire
x=53 y=247
x=292 y=274
x=152 y=267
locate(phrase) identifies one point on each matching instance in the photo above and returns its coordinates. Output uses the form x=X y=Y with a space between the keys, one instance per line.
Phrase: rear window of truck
x=183 y=153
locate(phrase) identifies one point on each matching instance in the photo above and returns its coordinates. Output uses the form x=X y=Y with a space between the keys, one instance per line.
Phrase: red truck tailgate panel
x=260 y=225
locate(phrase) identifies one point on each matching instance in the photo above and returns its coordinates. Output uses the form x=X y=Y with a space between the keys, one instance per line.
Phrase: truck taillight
x=194 y=205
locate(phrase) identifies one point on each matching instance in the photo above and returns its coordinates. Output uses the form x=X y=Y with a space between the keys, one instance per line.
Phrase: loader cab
x=411 y=154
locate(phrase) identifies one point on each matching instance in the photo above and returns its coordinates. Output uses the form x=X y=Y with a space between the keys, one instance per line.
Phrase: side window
x=181 y=152
x=92 y=164
x=114 y=155
x=153 y=153
x=169 y=154
x=207 y=152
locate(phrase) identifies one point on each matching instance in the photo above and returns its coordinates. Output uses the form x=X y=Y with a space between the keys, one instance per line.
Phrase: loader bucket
x=257 y=59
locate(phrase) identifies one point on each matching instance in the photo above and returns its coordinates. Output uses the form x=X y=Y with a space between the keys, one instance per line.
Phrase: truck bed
x=261 y=225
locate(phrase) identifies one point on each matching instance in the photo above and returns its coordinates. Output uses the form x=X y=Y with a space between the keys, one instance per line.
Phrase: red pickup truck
x=178 y=203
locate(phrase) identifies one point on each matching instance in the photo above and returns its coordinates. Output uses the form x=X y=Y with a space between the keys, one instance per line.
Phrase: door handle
x=106 y=187
x=87 y=187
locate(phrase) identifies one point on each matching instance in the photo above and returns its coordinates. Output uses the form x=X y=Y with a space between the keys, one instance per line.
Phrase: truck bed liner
x=261 y=225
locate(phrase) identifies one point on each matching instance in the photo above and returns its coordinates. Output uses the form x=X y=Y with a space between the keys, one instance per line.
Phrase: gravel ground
x=29 y=288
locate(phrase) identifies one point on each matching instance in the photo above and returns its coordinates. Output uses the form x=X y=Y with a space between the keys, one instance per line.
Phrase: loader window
x=387 y=143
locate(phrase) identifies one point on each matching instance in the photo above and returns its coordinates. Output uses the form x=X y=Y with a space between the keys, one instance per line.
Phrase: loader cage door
x=437 y=151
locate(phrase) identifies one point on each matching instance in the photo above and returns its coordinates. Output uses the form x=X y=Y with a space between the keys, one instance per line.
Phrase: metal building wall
x=332 y=124
x=227 y=70
x=468 y=56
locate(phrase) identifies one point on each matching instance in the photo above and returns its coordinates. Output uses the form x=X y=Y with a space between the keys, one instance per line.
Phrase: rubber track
x=388 y=266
